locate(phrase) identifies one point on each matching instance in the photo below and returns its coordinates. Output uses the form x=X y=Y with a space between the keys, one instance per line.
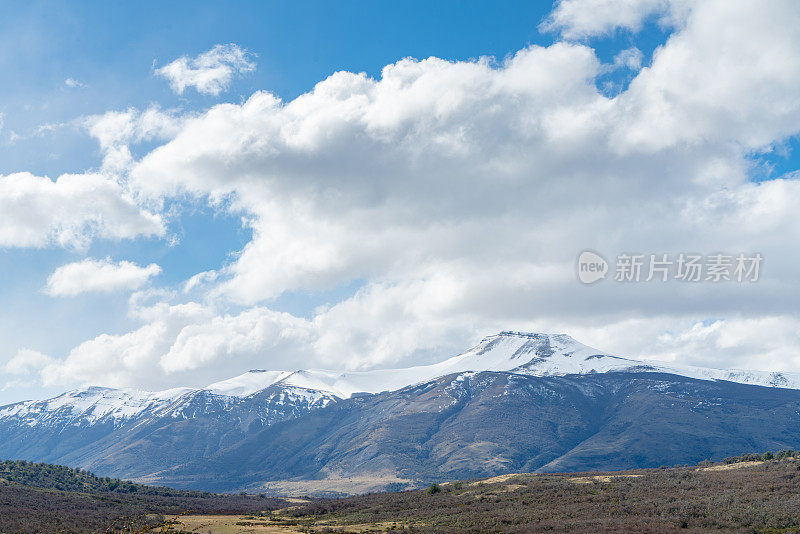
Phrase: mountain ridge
x=550 y=355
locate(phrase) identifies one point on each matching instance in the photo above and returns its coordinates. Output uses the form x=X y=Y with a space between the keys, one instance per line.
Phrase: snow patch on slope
x=93 y=404
x=248 y=383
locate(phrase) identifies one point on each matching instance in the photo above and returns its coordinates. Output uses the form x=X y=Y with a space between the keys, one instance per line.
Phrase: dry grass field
x=749 y=496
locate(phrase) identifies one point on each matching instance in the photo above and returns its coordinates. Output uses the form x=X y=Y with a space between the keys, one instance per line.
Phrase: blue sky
x=110 y=53
x=111 y=49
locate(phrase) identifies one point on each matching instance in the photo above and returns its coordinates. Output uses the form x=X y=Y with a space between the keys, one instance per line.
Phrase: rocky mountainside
x=515 y=402
x=483 y=424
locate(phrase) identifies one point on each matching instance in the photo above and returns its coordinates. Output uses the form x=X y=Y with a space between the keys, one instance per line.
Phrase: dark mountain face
x=493 y=423
x=460 y=426
x=195 y=426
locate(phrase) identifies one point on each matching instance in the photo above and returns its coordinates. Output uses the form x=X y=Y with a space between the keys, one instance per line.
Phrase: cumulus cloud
x=577 y=19
x=456 y=196
x=710 y=87
x=70 y=211
x=98 y=276
x=132 y=126
x=26 y=361
x=195 y=343
x=116 y=131
x=209 y=73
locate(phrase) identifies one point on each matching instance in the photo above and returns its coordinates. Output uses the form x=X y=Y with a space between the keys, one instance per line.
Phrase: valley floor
x=753 y=496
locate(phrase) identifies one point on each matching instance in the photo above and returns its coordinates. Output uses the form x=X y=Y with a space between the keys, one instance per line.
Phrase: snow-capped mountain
x=532 y=354
x=517 y=352
x=514 y=402
x=92 y=404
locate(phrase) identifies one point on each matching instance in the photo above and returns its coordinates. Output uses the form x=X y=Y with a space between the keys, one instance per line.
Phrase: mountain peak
x=534 y=335
x=533 y=344
x=559 y=339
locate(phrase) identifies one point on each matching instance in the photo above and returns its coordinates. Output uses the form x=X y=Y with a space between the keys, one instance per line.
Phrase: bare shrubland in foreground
x=753 y=497
x=747 y=493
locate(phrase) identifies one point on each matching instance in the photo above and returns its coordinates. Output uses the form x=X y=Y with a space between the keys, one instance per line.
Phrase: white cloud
x=459 y=193
x=630 y=58
x=132 y=126
x=98 y=276
x=70 y=211
x=768 y=342
x=709 y=86
x=72 y=82
x=194 y=343
x=121 y=360
x=577 y=19
x=27 y=361
x=209 y=73
x=198 y=280
x=116 y=131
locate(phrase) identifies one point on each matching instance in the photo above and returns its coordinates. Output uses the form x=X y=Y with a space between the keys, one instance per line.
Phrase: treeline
x=62 y=478
x=40 y=498
x=762 y=457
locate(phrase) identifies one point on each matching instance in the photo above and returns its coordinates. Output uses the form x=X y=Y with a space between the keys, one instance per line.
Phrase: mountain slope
x=89 y=424
x=484 y=424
